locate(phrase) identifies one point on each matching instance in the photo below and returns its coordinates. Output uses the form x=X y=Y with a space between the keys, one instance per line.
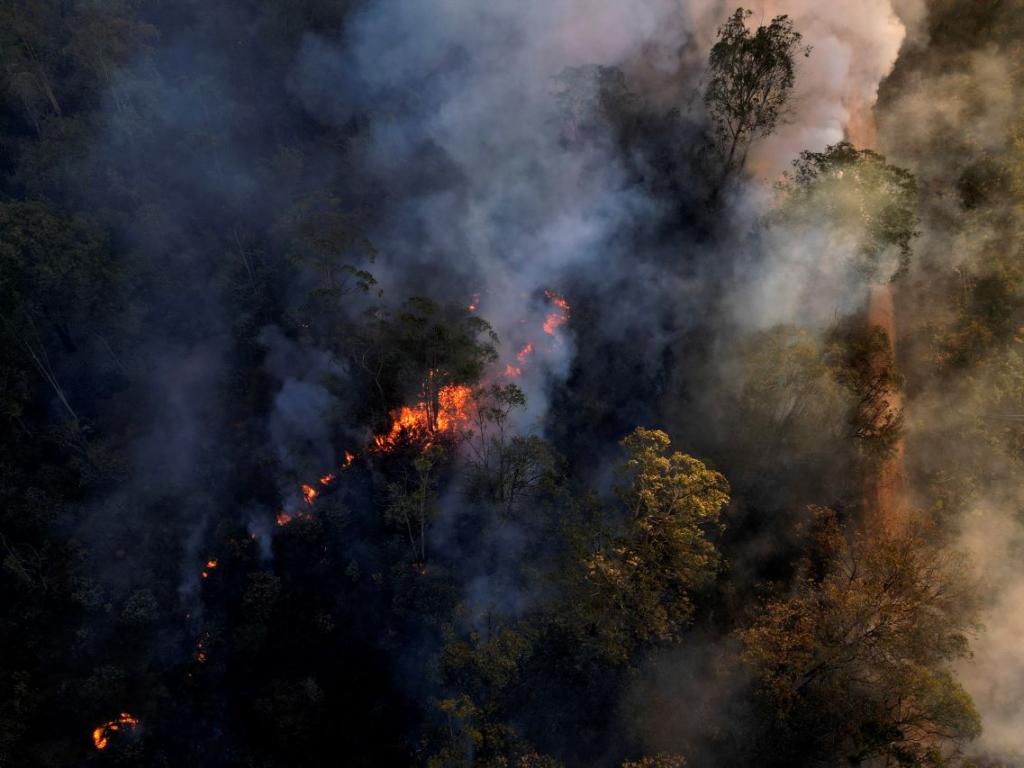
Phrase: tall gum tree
x=750 y=80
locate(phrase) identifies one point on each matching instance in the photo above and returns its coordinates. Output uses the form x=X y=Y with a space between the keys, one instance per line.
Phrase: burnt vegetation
x=277 y=489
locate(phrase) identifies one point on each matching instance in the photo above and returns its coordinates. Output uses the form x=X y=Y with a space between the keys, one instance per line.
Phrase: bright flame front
x=101 y=734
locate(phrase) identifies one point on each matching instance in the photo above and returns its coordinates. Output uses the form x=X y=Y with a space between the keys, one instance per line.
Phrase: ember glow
x=284 y=518
x=559 y=315
x=327 y=479
x=525 y=352
x=422 y=422
x=210 y=565
x=349 y=458
x=512 y=371
x=101 y=734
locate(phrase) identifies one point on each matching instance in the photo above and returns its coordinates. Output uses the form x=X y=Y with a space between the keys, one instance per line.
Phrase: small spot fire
x=123 y=722
x=559 y=316
x=201 y=655
x=211 y=564
x=309 y=493
x=515 y=371
x=441 y=412
x=283 y=518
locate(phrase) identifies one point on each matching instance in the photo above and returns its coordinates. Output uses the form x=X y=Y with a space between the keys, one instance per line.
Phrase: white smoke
x=470 y=94
x=855 y=45
x=995 y=675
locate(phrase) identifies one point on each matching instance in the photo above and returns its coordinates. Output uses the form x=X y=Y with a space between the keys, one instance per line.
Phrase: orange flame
x=349 y=458
x=309 y=493
x=101 y=735
x=512 y=371
x=283 y=518
x=420 y=423
x=525 y=352
x=560 y=316
x=327 y=479
x=210 y=565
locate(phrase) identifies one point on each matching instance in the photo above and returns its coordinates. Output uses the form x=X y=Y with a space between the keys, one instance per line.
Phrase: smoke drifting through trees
x=247 y=197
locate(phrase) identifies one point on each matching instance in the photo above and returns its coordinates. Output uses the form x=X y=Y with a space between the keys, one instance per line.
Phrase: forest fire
x=101 y=734
x=284 y=518
x=420 y=423
x=558 y=317
x=309 y=493
x=750 y=497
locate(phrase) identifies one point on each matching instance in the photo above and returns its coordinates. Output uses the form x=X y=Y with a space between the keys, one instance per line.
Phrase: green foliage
x=792 y=410
x=988 y=301
x=750 y=76
x=428 y=337
x=861 y=360
x=506 y=469
x=327 y=240
x=412 y=502
x=57 y=58
x=858 y=195
x=482 y=668
x=56 y=281
x=129 y=180
x=635 y=589
x=414 y=353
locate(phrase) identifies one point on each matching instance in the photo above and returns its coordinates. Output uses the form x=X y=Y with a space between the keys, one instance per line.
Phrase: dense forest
x=511 y=384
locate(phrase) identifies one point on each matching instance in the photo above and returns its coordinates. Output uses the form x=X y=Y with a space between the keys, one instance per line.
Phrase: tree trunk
x=885 y=497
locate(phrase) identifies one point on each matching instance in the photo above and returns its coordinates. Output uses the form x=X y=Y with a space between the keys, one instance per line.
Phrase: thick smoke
x=995 y=674
x=950 y=114
x=491 y=203
x=495 y=198
x=855 y=45
x=301 y=424
x=461 y=111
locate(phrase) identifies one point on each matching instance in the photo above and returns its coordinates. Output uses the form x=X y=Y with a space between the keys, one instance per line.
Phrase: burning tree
x=439 y=352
